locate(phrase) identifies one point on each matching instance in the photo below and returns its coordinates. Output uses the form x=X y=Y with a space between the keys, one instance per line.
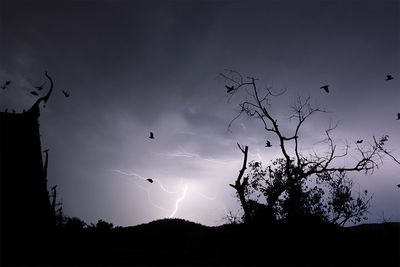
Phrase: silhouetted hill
x=167 y=224
x=180 y=242
x=375 y=227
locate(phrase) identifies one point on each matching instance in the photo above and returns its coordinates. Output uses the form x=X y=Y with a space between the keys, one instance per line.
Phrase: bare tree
x=241 y=185
x=298 y=168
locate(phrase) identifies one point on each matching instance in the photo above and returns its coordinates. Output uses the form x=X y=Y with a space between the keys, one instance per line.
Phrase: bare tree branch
x=380 y=144
x=240 y=186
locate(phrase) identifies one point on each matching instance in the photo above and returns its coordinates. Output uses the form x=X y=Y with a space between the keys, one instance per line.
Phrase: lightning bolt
x=145 y=179
x=184 y=190
x=185 y=154
x=179 y=200
x=142 y=187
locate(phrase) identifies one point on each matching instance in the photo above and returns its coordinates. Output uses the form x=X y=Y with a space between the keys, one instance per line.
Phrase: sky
x=132 y=67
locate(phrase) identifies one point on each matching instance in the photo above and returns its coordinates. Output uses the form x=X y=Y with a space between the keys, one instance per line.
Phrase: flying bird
x=325 y=87
x=5 y=85
x=359 y=141
x=389 y=77
x=40 y=87
x=34 y=93
x=150 y=180
x=229 y=88
x=66 y=94
x=398 y=116
x=151 y=135
x=268 y=144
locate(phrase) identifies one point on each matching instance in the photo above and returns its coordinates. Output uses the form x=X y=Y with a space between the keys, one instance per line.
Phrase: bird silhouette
x=151 y=135
x=359 y=141
x=34 y=93
x=150 y=180
x=66 y=94
x=398 y=116
x=268 y=144
x=5 y=85
x=325 y=87
x=389 y=77
x=229 y=88
x=398 y=185
x=40 y=87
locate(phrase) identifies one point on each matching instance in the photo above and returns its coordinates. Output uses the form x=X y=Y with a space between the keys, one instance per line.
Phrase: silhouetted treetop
x=284 y=184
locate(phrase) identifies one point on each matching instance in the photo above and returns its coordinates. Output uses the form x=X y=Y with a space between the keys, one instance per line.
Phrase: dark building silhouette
x=25 y=209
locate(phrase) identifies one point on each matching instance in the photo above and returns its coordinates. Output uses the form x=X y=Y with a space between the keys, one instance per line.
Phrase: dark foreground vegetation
x=180 y=242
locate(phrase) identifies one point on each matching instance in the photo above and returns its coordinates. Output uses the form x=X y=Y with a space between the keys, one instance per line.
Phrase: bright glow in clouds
x=207 y=197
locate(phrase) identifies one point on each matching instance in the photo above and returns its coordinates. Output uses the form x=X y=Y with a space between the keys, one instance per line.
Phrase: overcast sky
x=132 y=67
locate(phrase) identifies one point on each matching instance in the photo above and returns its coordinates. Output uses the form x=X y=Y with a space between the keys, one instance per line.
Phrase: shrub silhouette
x=74 y=224
x=101 y=226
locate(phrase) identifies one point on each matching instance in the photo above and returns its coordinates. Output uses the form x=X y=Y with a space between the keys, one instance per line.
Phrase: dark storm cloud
x=123 y=48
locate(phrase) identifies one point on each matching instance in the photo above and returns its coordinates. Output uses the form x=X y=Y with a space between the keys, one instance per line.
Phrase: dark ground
x=178 y=242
